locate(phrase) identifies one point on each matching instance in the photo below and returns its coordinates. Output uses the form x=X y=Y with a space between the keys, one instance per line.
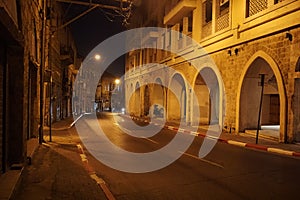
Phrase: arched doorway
x=250 y=94
x=177 y=99
x=206 y=88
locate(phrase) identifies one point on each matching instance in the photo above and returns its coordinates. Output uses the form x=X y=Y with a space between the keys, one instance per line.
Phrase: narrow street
x=228 y=172
x=149 y=99
x=65 y=169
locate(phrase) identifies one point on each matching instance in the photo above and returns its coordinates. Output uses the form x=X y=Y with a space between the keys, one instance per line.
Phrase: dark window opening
x=190 y=22
x=208 y=11
x=298 y=65
x=247 y=8
x=224 y=7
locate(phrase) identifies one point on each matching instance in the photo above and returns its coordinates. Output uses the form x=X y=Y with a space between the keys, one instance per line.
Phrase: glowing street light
x=117 y=81
x=97 y=57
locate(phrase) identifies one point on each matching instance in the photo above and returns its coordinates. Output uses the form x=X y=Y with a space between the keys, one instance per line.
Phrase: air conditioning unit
x=223 y=2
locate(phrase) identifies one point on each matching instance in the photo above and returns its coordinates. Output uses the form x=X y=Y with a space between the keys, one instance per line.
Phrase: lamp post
x=262 y=84
x=50 y=103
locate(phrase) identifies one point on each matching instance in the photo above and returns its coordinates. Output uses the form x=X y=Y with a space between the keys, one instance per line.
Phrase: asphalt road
x=227 y=172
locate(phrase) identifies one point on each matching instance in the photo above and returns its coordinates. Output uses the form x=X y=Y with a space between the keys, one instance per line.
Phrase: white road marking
x=240 y=144
x=194 y=133
x=181 y=130
x=83 y=157
x=201 y=159
x=97 y=178
x=280 y=151
x=153 y=141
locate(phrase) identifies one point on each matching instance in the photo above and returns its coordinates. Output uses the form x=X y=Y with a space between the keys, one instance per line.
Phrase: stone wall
x=283 y=51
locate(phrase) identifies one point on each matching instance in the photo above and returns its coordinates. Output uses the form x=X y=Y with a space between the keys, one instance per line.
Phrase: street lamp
x=117 y=81
x=97 y=57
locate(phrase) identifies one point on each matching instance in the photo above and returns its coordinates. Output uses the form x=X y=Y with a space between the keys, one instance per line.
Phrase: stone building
x=244 y=38
x=13 y=98
x=105 y=88
x=61 y=64
x=23 y=50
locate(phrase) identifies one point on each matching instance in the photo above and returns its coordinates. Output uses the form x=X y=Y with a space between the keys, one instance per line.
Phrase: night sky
x=93 y=28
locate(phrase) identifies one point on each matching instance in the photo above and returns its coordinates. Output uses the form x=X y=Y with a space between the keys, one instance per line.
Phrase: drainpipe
x=262 y=81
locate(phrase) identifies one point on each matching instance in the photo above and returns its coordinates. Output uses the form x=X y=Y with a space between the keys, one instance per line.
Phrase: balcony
x=179 y=11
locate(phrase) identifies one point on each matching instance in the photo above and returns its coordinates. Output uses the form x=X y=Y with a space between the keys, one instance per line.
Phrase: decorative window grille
x=222 y=22
x=206 y=30
x=255 y=6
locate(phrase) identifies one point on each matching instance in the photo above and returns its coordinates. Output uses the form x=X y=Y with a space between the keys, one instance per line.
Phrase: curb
x=231 y=142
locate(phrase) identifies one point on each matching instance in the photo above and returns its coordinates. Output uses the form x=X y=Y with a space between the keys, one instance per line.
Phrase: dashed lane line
x=203 y=160
x=153 y=141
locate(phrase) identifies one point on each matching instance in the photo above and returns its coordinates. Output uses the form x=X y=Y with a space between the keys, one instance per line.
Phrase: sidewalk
x=57 y=170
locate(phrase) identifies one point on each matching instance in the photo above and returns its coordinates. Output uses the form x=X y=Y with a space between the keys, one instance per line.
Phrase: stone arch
x=134 y=100
x=210 y=69
x=261 y=55
x=177 y=98
x=158 y=98
x=207 y=90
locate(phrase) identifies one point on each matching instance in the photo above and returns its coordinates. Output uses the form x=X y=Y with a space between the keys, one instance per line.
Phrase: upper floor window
x=223 y=7
x=207 y=10
x=190 y=22
x=222 y=15
x=255 y=6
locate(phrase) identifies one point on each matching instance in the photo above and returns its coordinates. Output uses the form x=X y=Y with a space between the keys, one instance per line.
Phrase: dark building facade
x=33 y=40
x=13 y=121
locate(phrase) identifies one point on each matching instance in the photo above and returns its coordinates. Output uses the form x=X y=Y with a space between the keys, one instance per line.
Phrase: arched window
x=298 y=65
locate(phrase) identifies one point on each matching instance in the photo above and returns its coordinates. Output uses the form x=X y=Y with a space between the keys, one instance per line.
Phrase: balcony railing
x=222 y=22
